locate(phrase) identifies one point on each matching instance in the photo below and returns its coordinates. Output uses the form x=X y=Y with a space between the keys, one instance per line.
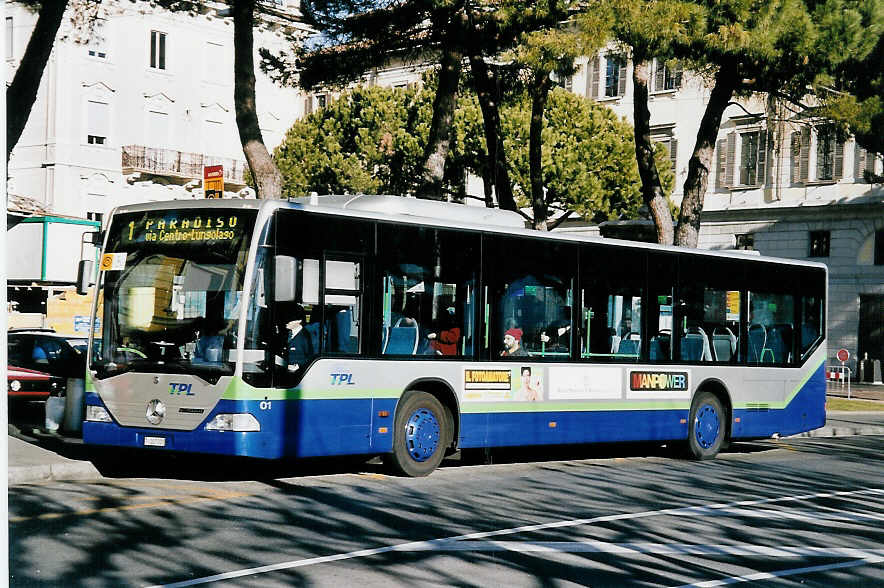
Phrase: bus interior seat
x=660 y=345
x=403 y=339
x=313 y=330
x=630 y=345
x=780 y=342
x=757 y=342
x=724 y=343
x=346 y=342
x=695 y=345
x=809 y=334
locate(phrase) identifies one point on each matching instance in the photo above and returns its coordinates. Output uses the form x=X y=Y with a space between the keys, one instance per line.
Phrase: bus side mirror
x=84 y=276
x=285 y=278
x=95 y=237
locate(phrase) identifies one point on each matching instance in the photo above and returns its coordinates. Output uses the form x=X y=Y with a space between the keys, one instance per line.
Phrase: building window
x=9 y=45
x=825 y=153
x=879 y=247
x=667 y=77
x=753 y=152
x=615 y=76
x=829 y=150
x=97 y=122
x=321 y=101
x=745 y=241
x=157 y=50
x=819 y=244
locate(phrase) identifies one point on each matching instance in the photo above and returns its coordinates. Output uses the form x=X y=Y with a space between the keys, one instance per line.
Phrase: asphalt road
x=794 y=512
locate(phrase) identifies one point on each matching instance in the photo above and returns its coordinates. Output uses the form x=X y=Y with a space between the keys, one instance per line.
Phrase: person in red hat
x=512 y=343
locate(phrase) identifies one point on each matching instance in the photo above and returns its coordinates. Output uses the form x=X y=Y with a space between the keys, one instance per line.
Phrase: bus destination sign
x=184 y=228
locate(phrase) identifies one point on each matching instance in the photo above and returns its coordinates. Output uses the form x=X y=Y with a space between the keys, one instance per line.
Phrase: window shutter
x=596 y=66
x=838 y=168
x=760 y=180
x=673 y=151
x=659 y=80
x=621 y=89
x=720 y=168
x=859 y=163
x=308 y=105
x=795 y=152
x=804 y=156
x=731 y=157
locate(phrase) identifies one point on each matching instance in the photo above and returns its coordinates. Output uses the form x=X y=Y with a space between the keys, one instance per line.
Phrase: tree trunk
x=652 y=191
x=688 y=232
x=438 y=142
x=486 y=89
x=21 y=94
x=263 y=168
x=539 y=96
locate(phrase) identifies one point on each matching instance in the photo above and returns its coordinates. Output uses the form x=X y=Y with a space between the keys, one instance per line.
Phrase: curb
x=840 y=432
x=53 y=472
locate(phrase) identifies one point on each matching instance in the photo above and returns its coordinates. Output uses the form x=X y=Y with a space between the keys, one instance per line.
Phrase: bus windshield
x=172 y=284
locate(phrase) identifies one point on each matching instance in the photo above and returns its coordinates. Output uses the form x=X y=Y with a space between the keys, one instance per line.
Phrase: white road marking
x=783 y=573
x=426 y=545
x=651 y=549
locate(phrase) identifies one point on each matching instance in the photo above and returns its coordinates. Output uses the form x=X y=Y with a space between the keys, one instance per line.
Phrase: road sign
x=213 y=181
x=842 y=355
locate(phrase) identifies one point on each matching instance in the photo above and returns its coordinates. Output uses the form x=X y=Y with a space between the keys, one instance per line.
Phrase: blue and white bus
x=383 y=325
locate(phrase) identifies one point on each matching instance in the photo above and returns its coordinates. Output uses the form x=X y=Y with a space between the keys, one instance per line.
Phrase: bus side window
x=427 y=292
x=612 y=315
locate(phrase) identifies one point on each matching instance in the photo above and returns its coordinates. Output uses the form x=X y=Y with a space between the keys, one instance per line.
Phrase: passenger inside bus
x=210 y=341
x=512 y=343
x=299 y=347
x=445 y=341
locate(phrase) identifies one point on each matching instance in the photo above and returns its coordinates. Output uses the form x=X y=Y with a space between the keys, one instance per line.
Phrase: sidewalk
x=34 y=459
x=39 y=457
x=861 y=391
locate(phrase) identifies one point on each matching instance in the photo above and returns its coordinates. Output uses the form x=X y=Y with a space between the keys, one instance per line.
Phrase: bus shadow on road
x=118 y=463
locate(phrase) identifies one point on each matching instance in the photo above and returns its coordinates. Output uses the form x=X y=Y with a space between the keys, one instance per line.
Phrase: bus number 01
x=265 y=405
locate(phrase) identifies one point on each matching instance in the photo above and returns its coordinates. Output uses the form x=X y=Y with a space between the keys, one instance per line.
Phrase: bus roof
x=414 y=211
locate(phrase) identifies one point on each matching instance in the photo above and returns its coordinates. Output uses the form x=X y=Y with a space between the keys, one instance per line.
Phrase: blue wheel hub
x=707 y=426
x=422 y=433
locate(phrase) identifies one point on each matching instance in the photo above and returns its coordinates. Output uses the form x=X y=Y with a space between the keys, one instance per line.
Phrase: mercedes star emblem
x=156 y=410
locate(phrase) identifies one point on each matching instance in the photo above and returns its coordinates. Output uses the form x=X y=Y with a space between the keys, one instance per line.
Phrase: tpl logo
x=342 y=379
x=181 y=389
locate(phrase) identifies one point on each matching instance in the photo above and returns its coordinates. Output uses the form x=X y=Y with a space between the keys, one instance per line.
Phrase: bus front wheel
x=421 y=433
x=706 y=427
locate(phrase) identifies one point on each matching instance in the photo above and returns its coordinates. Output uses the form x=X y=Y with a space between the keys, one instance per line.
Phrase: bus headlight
x=15 y=385
x=97 y=414
x=234 y=422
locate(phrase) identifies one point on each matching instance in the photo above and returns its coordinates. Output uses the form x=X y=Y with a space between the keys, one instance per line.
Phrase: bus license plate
x=155 y=441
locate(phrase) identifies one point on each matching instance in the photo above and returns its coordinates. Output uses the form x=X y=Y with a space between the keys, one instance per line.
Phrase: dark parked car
x=46 y=351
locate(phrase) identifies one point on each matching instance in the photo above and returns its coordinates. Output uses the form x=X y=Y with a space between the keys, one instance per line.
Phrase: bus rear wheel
x=421 y=433
x=706 y=427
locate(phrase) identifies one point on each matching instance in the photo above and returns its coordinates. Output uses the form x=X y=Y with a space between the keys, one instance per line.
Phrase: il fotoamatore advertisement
x=519 y=383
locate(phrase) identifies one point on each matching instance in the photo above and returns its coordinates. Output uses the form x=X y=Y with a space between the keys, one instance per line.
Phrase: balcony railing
x=168 y=162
